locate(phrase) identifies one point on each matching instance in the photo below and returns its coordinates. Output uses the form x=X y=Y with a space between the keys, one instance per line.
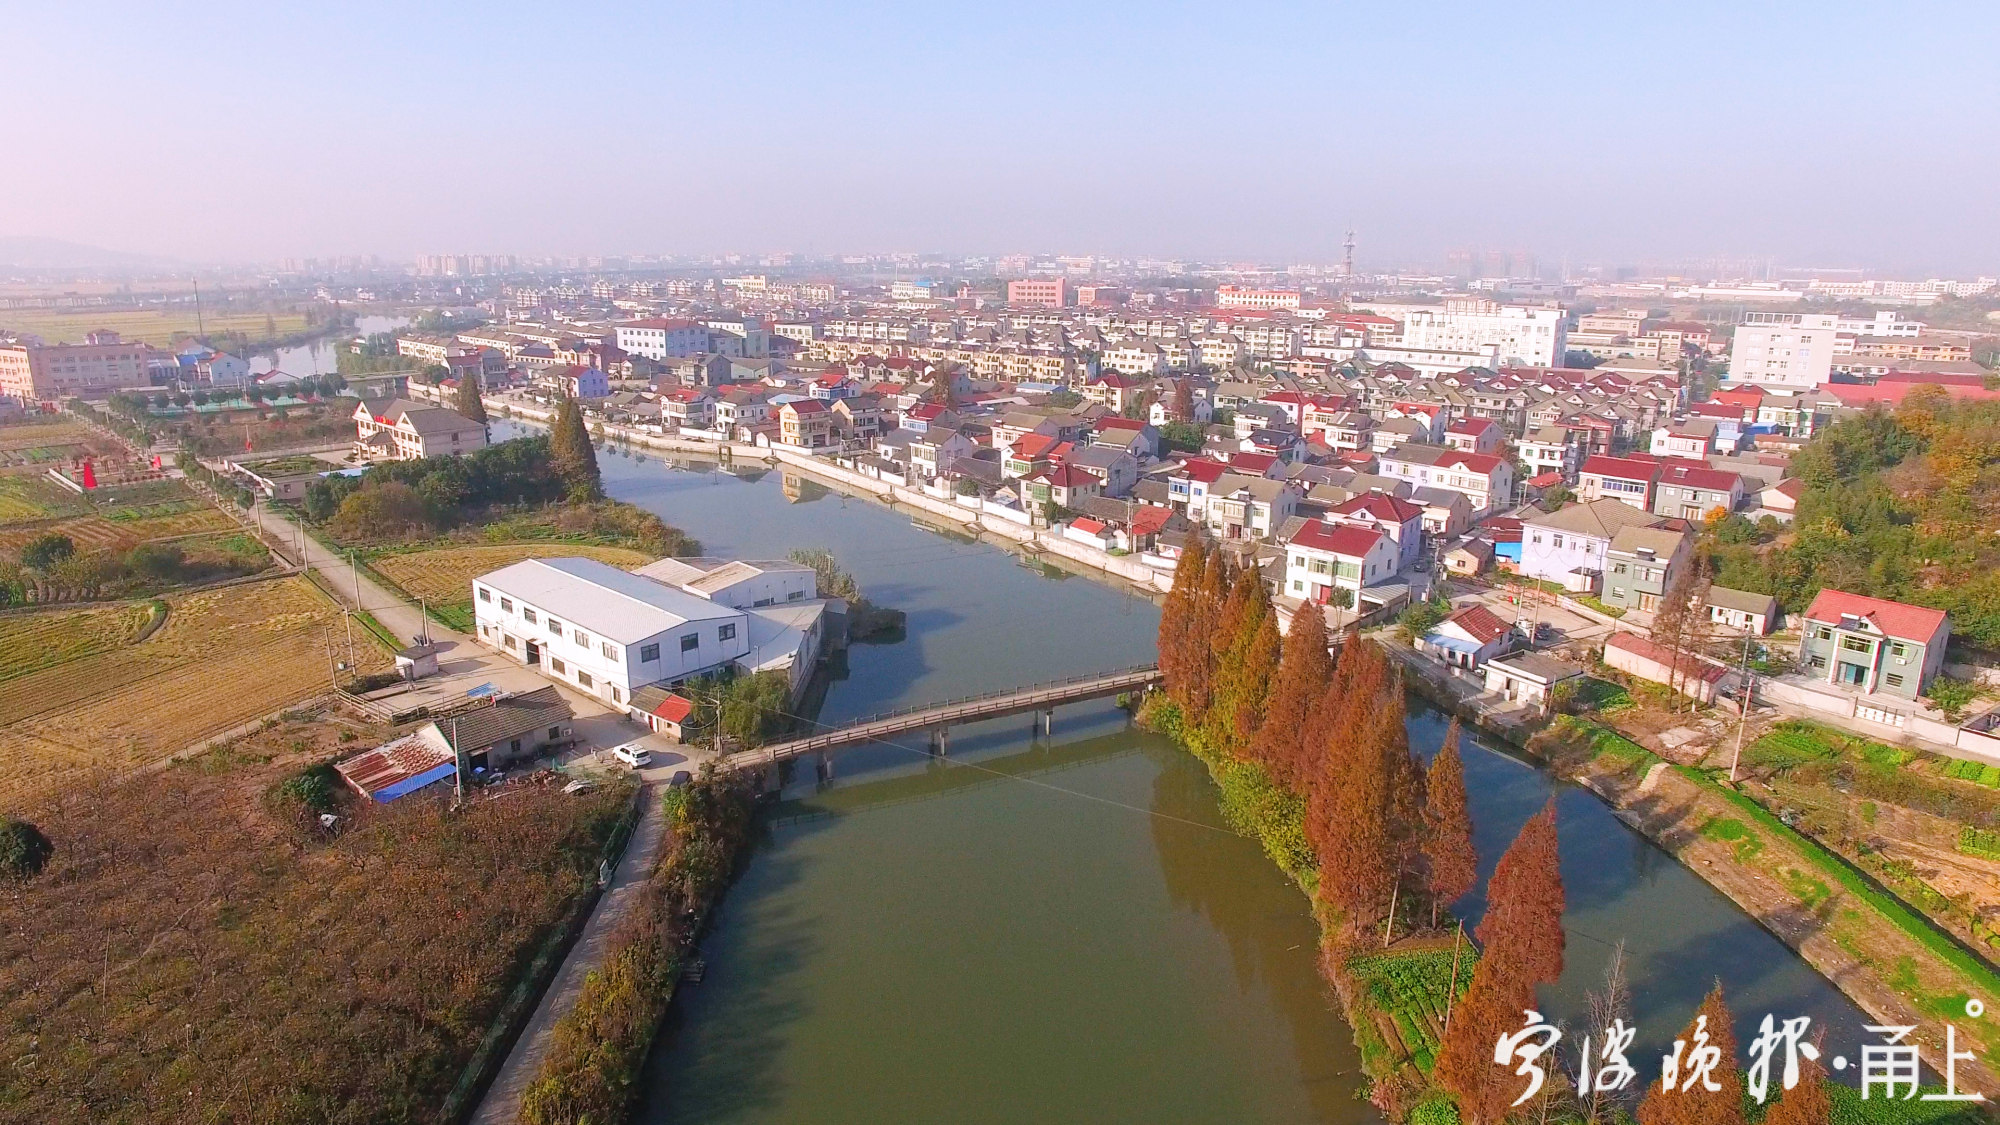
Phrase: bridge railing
x=1028 y=693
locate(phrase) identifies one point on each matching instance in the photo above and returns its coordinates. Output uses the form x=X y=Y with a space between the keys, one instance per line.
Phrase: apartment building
x=1052 y=293
x=1783 y=349
x=1525 y=335
x=1233 y=297
x=103 y=363
x=661 y=339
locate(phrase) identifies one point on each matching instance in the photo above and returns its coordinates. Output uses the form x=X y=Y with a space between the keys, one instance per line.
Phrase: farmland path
x=502 y=1103
x=396 y=615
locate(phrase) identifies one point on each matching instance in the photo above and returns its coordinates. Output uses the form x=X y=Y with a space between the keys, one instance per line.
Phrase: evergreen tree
x=1305 y=670
x=1698 y=1105
x=1523 y=940
x=571 y=457
x=467 y=400
x=1184 y=399
x=1450 y=865
x=1357 y=836
x=1260 y=666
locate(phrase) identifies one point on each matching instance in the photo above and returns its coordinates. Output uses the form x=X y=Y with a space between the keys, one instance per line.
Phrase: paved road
x=396 y=615
x=502 y=1104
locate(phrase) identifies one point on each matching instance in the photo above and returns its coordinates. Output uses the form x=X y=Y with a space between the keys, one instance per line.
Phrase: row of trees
x=1391 y=841
x=1329 y=731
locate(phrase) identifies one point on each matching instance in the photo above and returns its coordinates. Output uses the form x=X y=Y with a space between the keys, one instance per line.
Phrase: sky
x=1827 y=134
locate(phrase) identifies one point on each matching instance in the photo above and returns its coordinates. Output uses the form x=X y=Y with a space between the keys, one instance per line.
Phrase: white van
x=634 y=755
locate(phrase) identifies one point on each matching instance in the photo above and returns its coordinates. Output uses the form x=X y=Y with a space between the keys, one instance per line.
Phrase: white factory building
x=1525 y=334
x=609 y=632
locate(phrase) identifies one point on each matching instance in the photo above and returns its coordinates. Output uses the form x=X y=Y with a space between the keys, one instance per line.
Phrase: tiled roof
x=1895 y=619
x=1338 y=539
x=1479 y=623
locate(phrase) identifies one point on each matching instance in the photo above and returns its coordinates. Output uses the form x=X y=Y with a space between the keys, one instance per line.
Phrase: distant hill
x=32 y=252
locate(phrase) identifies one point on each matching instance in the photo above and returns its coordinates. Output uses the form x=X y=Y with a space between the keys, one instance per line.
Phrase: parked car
x=634 y=755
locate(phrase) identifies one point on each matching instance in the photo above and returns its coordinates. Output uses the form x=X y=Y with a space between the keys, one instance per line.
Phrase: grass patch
x=1415 y=990
x=1811 y=891
x=1979 y=842
x=1728 y=830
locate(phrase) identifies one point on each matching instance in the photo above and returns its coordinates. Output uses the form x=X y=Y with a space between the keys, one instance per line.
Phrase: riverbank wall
x=1876 y=950
x=970 y=513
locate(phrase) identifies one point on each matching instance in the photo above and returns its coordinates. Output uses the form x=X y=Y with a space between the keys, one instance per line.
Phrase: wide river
x=1067 y=932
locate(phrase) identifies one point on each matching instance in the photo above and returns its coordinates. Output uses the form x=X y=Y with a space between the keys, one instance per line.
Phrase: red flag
x=89 y=475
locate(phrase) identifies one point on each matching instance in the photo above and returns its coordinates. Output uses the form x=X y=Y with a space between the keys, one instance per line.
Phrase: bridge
x=937 y=718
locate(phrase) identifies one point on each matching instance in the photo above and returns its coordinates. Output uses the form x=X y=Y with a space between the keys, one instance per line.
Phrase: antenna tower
x=1349 y=247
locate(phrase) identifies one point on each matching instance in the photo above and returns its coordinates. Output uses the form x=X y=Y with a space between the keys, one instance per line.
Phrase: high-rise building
x=1783 y=349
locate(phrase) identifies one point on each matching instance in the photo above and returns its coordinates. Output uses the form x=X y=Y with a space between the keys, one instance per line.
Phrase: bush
x=316 y=789
x=43 y=552
x=24 y=851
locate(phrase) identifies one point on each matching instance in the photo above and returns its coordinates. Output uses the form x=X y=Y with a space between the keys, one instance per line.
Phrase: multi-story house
x=1241 y=507
x=1322 y=558
x=661 y=338
x=806 y=423
x=1628 y=480
x=1487 y=481
x=859 y=417
x=1399 y=519
x=1188 y=489
x=1572 y=545
x=1691 y=492
x=1644 y=562
x=1116 y=469
x=1783 y=349
x=1873 y=646
x=1474 y=435
x=1547 y=450
x=1692 y=438
x=402 y=430
x=32 y=371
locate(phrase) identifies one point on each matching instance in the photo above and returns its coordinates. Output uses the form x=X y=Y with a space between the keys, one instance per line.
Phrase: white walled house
x=1322 y=558
x=602 y=630
x=1572 y=545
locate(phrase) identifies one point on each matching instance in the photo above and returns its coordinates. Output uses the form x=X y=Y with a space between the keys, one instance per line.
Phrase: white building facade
x=1783 y=349
x=1525 y=334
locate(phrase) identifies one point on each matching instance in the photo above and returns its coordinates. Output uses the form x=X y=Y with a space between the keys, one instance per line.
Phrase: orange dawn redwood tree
x=1698 y=1106
x=1177 y=614
x=1450 y=864
x=1305 y=668
x=1523 y=944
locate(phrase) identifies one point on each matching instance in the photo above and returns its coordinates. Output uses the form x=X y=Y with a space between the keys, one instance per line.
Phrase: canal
x=1068 y=932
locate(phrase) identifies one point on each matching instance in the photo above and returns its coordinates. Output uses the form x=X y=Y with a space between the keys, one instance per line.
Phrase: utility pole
x=1743 y=701
x=200 y=332
x=457 y=761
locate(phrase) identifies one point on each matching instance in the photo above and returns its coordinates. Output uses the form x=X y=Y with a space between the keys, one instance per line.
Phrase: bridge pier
x=823 y=767
x=940 y=741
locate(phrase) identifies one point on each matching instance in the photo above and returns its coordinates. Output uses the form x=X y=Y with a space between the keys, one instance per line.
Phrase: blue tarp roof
x=1508 y=550
x=1455 y=644
x=410 y=785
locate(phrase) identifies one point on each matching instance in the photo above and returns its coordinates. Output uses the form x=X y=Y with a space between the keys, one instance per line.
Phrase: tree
x=1184 y=400
x=1451 y=864
x=467 y=400
x=1204 y=617
x=571 y=456
x=942 y=378
x=1697 y=1105
x=1523 y=939
x=1305 y=667
x=1177 y=617
x=1230 y=646
x=388 y=510
x=43 y=552
x=1806 y=1103
x=24 y=851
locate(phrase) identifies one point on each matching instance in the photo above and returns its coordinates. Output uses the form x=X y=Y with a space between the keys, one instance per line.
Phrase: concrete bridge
x=935 y=719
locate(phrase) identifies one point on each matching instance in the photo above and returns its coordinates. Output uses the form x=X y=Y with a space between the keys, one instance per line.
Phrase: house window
x=485 y=595
x=726 y=632
x=1857 y=644
x=506 y=605
x=1818 y=661
x=690 y=642
x=527 y=615
x=1298 y=586
x=615 y=697
x=648 y=653
x=1618 y=568
x=1893 y=679
x=555 y=627
x=1898 y=649
x=583 y=638
x=795 y=595
x=555 y=733
x=609 y=650
x=1556 y=541
x=556 y=666
x=582 y=677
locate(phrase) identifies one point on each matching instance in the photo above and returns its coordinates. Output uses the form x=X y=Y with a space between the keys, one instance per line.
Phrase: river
x=1067 y=932
x=318 y=357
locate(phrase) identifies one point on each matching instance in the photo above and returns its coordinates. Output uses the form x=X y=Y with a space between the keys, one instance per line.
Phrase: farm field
x=443 y=577
x=30 y=642
x=223 y=658
x=159 y=327
x=34 y=445
x=29 y=496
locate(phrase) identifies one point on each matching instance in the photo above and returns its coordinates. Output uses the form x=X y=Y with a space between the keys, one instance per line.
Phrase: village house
x=493 y=733
x=405 y=430
x=1756 y=614
x=1401 y=520
x=1644 y=562
x=1873 y=645
x=1469 y=637
x=1628 y=480
x=1572 y=545
x=806 y=424
x=1487 y=481
x=1691 y=492
x=1242 y=507
x=1323 y=558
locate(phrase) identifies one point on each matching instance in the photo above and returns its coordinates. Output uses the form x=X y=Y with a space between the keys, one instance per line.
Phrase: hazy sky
x=1818 y=133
